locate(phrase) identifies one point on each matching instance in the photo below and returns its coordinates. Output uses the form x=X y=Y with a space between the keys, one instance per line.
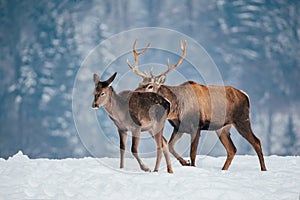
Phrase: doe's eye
x=103 y=93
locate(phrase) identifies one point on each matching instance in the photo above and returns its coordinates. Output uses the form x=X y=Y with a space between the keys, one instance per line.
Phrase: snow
x=90 y=178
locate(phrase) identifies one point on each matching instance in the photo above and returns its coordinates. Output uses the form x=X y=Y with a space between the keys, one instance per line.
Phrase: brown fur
x=196 y=107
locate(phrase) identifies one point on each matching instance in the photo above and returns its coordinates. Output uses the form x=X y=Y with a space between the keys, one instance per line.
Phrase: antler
x=183 y=48
x=136 y=65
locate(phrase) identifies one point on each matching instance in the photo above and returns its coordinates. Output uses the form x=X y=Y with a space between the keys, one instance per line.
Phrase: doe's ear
x=108 y=81
x=161 y=80
x=96 y=78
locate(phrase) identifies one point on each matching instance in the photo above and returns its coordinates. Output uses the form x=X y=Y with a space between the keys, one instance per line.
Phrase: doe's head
x=102 y=91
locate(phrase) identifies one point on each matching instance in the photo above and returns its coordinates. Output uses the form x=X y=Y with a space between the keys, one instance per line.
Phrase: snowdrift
x=91 y=178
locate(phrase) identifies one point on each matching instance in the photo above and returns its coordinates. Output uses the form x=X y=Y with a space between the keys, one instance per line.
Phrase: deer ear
x=108 y=81
x=162 y=79
x=96 y=78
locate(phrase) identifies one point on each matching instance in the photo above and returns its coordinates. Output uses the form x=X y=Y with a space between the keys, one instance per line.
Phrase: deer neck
x=114 y=103
x=167 y=93
x=111 y=100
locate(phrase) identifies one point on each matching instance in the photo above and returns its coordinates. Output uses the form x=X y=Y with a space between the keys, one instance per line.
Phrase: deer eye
x=103 y=93
x=150 y=87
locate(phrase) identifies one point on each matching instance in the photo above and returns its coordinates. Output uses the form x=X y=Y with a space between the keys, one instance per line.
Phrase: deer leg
x=224 y=136
x=244 y=128
x=159 y=147
x=123 y=138
x=134 y=150
x=194 y=146
x=167 y=155
x=174 y=138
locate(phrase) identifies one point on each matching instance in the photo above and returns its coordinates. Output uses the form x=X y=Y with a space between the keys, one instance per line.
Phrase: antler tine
x=135 y=55
x=142 y=51
x=135 y=70
x=183 y=48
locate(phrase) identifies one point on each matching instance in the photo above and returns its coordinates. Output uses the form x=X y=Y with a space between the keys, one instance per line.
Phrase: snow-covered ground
x=90 y=178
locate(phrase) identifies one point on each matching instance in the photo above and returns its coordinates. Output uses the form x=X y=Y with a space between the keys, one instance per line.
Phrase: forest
x=254 y=43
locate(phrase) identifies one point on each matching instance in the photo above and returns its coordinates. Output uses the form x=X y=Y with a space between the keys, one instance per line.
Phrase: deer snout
x=95 y=106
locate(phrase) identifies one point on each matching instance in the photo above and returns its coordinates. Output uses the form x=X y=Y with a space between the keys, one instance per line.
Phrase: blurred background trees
x=255 y=44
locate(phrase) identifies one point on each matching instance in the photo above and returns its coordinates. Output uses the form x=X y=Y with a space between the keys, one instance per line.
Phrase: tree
x=290 y=139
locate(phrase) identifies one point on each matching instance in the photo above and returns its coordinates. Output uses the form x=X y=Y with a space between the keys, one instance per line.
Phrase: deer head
x=101 y=91
x=151 y=83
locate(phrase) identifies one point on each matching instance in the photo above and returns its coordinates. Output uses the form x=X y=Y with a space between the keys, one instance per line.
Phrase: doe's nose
x=95 y=106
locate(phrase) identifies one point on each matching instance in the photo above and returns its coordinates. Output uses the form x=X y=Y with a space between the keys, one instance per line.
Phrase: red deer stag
x=135 y=112
x=196 y=107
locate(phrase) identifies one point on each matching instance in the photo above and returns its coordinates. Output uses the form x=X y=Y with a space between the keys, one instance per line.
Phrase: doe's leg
x=134 y=150
x=159 y=148
x=123 y=137
x=167 y=155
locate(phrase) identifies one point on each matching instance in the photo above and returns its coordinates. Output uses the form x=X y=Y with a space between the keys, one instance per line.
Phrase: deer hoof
x=170 y=170
x=145 y=168
x=185 y=163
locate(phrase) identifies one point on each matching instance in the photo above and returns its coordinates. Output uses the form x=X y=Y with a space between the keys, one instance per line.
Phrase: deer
x=196 y=107
x=134 y=111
